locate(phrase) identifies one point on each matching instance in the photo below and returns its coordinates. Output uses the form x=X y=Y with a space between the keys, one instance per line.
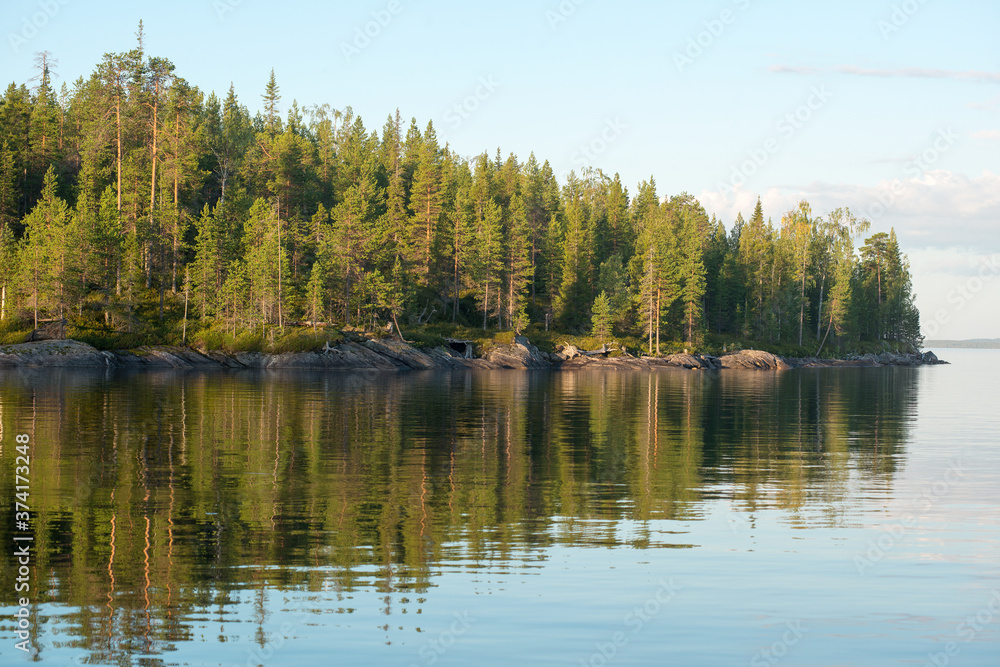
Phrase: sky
x=891 y=108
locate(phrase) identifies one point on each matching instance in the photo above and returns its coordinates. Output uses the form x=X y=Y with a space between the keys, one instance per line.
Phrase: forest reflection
x=157 y=495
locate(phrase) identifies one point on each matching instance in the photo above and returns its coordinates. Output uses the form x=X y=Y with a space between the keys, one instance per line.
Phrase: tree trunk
x=827 y=331
x=658 y=311
x=802 y=303
x=486 y=303
x=118 y=126
x=185 y=329
x=281 y=323
x=458 y=294
x=819 y=309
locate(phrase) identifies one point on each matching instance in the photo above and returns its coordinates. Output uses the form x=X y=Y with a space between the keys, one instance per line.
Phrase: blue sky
x=891 y=108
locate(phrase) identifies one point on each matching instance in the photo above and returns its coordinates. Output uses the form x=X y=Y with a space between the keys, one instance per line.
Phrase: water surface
x=816 y=517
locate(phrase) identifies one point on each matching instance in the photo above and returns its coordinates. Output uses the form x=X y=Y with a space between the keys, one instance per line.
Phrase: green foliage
x=114 y=195
x=601 y=319
x=14 y=330
x=273 y=341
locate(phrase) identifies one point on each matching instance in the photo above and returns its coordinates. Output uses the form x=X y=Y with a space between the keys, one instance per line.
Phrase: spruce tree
x=271 y=98
x=601 y=317
x=425 y=205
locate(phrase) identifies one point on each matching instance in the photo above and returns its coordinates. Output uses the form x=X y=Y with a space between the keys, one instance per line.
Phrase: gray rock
x=754 y=360
x=521 y=354
x=55 y=330
x=54 y=353
x=929 y=357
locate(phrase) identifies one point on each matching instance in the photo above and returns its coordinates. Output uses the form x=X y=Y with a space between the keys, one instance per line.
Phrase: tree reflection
x=162 y=496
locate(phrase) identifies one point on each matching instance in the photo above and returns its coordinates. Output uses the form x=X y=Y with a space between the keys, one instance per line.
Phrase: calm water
x=815 y=517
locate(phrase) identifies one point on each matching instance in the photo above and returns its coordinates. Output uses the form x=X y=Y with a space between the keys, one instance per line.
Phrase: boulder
x=54 y=330
x=521 y=354
x=685 y=360
x=401 y=353
x=55 y=353
x=754 y=360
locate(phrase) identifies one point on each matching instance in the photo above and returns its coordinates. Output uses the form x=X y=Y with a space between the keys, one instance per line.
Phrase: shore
x=395 y=355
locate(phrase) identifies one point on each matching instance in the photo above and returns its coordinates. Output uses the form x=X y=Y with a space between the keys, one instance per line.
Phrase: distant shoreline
x=971 y=344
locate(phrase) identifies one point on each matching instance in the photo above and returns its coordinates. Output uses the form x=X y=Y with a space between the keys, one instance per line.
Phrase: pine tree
x=8 y=187
x=397 y=217
x=613 y=280
x=271 y=98
x=228 y=135
x=834 y=260
x=267 y=265
x=622 y=235
x=425 y=204
x=519 y=271
x=462 y=235
x=574 y=289
x=45 y=254
x=45 y=117
x=601 y=317
x=754 y=261
x=359 y=238
x=798 y=229
x=693 y=227
x=489 y=254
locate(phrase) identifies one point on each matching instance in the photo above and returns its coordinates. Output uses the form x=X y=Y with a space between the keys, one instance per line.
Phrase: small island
x=137 y=212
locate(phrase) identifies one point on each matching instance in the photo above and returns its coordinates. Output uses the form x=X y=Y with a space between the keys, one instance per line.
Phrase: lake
x=841 y=516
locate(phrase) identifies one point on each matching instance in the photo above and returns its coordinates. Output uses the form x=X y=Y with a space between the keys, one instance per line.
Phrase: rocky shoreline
x=395 y=355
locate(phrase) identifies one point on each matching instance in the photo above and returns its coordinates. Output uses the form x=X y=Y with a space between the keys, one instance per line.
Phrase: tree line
x=131 y=186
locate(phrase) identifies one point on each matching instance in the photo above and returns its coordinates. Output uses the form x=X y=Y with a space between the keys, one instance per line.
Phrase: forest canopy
x=131 y=194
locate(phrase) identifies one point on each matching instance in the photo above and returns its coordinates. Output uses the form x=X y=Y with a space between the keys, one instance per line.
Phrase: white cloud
x=992 y=104
x=937 y=209
x=905 y=72
x=948 y=224
x=957 y=290
x=987 y=134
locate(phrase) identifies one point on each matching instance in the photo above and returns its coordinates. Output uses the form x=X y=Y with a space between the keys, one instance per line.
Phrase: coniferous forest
x=142 y=209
